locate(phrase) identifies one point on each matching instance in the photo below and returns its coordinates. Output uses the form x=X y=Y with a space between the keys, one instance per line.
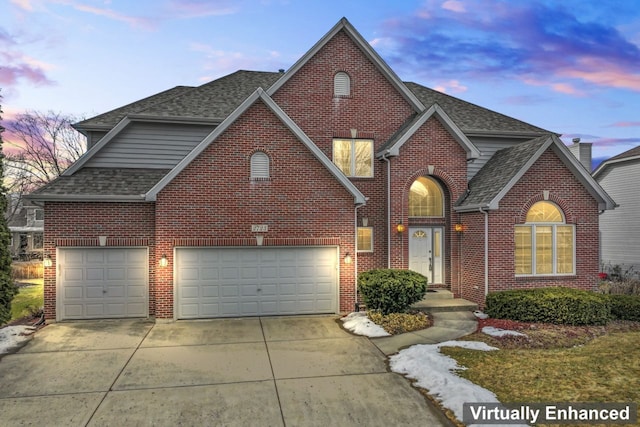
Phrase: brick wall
x=375 y=109
x=214 y=198
x=431 y=145
x=76 y=224
x=579 y=207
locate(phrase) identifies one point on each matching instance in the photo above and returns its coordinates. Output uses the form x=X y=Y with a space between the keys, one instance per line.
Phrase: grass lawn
x=29 y=299
x=558 y=364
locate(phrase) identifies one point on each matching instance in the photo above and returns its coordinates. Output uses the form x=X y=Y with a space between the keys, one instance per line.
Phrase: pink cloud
x=111 y=14
x=452 y=86
x=454 y=6
x=625 y=124
x=9 y=75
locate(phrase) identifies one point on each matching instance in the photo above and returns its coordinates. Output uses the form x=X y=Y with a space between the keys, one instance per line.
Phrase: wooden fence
x=27 y=270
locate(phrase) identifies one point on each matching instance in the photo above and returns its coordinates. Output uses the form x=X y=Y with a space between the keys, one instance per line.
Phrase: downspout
x=486 y=251
x=386 y=159
x=355 y=256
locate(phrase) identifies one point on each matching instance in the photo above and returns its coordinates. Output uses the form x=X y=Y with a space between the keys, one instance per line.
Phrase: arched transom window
x=545 y=244
x=426 y=198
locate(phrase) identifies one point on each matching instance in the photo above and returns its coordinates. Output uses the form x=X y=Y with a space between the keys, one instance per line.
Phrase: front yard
x=29 y=300
x=556 y=363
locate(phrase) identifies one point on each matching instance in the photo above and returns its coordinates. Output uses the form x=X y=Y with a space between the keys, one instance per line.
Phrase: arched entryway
x=426 y=229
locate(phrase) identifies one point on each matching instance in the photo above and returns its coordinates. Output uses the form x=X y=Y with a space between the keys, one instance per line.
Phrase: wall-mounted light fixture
x=400 y=228
x=348 y=259
x=365 y=221
x=47 y=261
x=163 y=261
x=459 y=228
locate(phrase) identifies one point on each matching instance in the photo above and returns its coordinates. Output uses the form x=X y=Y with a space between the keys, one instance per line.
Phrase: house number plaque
x=260 y=228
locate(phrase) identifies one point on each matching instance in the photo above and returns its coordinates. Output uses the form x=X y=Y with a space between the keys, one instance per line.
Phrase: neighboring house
x=265 y=193
x=620 y=228
x=26 y=225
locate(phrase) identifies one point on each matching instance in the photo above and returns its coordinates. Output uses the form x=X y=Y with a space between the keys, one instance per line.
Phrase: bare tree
x=40 y=147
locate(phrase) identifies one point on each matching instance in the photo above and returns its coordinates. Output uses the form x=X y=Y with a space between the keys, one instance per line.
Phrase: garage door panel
x=102 y=282
x=255 y=281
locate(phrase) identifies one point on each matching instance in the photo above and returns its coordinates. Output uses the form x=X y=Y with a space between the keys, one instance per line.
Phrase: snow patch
x=13 y=336
x=497 y=332
x=435 y=372
x=480 y=315
x=360 y=324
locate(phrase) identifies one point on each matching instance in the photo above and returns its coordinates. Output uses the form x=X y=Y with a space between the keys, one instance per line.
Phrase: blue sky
x=570 y=66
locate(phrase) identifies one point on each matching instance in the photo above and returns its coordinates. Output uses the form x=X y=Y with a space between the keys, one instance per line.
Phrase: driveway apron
x=273 y=371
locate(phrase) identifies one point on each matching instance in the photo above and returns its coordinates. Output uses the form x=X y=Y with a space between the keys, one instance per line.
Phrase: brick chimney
x=582 y=151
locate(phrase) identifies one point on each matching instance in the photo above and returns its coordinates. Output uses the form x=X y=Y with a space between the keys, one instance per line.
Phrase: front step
x=441 y=304
x=436 y=293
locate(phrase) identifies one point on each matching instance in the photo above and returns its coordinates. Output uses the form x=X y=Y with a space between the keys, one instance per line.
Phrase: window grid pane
x=544 y=249
x=365 y=239
x=425 y=198
x=564 y=249
x=364 y=158
x=523 y=250
x=342 y=155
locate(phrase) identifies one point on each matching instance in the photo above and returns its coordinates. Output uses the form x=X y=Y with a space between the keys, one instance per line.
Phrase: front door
x=426 y=252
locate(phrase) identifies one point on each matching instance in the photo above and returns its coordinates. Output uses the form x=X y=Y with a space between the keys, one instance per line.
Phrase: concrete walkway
x=447 y=326
x=279 y=371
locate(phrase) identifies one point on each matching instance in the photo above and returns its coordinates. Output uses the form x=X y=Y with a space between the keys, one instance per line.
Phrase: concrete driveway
x=273 y=371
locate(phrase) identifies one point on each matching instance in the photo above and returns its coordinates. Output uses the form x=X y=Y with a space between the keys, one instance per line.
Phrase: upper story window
x=39 y=214
x=545 y=244
x=426 y=198
x=354 y=157
x=259 y=166
x=341 y=84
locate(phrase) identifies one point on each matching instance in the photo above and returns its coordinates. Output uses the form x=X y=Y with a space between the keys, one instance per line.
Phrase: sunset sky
x=570 y=66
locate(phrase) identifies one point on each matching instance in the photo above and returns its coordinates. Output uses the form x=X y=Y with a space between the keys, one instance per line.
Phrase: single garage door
x=232 y=282
x=101 y=283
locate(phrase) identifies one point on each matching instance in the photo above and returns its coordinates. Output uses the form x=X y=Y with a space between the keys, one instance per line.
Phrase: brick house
x=265 y=193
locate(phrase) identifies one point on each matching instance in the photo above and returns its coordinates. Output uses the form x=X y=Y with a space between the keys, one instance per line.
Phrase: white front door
x=426 y=252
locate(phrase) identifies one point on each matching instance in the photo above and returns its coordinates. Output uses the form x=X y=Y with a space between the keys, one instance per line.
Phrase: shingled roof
x=485 y=187
x=217 y=99
x=101 y=184
x=213 y=101
x=471 y=118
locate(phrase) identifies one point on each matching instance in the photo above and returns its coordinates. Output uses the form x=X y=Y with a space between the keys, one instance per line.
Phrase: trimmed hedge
x=564 y=306
x=391 y=290
x=625 y=307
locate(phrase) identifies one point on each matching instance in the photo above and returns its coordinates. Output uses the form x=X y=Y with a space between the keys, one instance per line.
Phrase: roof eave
x=611 y=162
x=434 y=111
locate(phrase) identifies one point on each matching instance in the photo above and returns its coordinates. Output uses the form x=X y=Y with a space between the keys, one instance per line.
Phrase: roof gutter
x=84 y=198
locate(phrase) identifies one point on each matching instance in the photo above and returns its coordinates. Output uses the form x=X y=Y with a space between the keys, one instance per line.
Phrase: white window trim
x=358 y=239
x=353 y=166
x=553 y=226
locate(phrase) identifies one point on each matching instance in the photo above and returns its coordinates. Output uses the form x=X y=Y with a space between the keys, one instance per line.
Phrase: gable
x=284 y=122
x=219 y=176
x=344 y=27
x=507 y=167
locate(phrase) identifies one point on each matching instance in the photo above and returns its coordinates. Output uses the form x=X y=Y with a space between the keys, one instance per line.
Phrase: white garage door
x=231 y=282
x=100 y=283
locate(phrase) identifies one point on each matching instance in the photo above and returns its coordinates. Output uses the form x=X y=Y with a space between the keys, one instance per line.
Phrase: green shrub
x=564 y=306
x=625 y=307
x=391 y=290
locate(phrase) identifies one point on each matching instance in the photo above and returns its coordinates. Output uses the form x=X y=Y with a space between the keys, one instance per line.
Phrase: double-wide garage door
x=100 y=283
x=231 y=282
